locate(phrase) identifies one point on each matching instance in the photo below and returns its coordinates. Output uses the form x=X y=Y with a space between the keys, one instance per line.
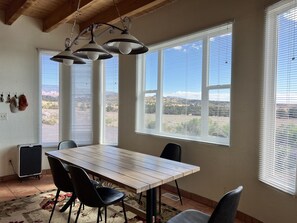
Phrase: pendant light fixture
x=123 y=43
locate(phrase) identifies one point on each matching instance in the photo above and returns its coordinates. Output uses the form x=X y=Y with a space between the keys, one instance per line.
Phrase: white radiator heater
x=29 y=160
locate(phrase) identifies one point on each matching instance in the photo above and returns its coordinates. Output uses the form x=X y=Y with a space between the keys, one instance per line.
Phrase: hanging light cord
x=122 y=20
x=68 y=41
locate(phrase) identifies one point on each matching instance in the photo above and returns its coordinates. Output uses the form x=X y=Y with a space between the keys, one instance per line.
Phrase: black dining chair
x=224 y=212
x=62 y=181
x=67 y=144
x=171 y=151
x=92 y=196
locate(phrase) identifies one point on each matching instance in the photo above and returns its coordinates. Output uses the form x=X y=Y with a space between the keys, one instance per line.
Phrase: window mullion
x=142 y=83
x=159 y=96
x=204 y=89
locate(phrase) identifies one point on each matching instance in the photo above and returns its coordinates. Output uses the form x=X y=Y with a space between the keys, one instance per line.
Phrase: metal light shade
x=66 y=57
x=92 y=51
x=125 y=43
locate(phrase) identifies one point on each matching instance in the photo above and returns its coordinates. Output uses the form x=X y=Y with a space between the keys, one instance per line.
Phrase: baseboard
x=240 y=215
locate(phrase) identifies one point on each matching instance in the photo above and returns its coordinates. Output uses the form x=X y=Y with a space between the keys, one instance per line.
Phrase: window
x=184 y=87
x=49 y=98
x=279 y=115
x=111 y=101
x=67 y=101
x=82 y=106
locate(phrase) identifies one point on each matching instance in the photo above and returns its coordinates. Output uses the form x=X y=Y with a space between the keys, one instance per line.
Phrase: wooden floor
x=14 y=189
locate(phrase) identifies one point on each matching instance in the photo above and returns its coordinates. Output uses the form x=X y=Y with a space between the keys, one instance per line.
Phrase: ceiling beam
x=15 y=9
x=63 y=14
x=125 y=7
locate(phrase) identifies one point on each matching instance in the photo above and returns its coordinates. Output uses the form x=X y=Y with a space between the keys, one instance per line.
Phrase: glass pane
x=111 y=101
x=50 y=99
x=150 y=111
x=151 y=71
x=82 y=122
x=220 y=59
x=219 y=113
x=182 y=74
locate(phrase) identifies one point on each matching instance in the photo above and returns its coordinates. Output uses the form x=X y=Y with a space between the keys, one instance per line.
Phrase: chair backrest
x=67 y=144
x=225 y=210
x=84 y=188
x=172 y=151
x=60 y=176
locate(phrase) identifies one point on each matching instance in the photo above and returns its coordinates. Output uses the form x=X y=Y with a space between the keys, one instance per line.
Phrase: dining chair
x=224 y=212
x=171 y=151
x=94 y=196
x=67 y=144
x=62 y=181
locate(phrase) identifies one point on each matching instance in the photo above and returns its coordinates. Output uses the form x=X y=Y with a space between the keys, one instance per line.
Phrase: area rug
x=37 y=209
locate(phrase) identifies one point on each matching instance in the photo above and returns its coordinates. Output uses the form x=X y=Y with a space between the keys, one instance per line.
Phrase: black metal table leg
x=151 y=210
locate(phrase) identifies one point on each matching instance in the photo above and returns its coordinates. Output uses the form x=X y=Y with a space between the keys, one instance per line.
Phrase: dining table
x=134 y=171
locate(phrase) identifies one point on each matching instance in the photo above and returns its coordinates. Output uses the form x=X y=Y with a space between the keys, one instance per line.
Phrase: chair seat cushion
x=109 y=195
x=190 y=216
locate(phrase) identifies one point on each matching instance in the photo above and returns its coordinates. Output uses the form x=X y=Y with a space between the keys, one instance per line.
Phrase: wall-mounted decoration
x=16 y=103
x=23 y=103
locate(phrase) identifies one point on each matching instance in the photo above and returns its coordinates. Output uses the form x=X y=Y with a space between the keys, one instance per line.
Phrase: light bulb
x=67 y=62
x=92 y=55
x=125 y=47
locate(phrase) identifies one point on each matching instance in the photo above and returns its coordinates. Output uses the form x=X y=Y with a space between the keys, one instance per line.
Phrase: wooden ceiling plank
x=15 y=9
x=125 y=7
x=63 y=14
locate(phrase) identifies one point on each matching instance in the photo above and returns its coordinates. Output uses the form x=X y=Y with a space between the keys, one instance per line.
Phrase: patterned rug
x=37 y=209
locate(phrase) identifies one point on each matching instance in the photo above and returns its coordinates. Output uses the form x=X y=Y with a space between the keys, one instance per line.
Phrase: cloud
x=178 y=47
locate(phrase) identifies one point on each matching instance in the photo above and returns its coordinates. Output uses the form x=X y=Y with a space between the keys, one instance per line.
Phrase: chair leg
x=105 y=214
x=69 y=215
x=78 y=212
x=55 y=202
x=124 y=210
x=181 y=202
x=98 y=214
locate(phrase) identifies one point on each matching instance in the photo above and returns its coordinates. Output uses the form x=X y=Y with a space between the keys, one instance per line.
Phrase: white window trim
x=268 y=119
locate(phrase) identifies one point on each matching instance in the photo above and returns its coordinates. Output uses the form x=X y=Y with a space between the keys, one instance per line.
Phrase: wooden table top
x=135 y=171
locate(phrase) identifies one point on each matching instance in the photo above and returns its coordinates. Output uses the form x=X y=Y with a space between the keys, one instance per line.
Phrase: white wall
x=222 y=168
x=19 y=73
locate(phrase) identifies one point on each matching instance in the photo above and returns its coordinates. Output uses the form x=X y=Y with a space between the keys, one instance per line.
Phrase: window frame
x=66 y=110
x=269 y=100
x=204 y=36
